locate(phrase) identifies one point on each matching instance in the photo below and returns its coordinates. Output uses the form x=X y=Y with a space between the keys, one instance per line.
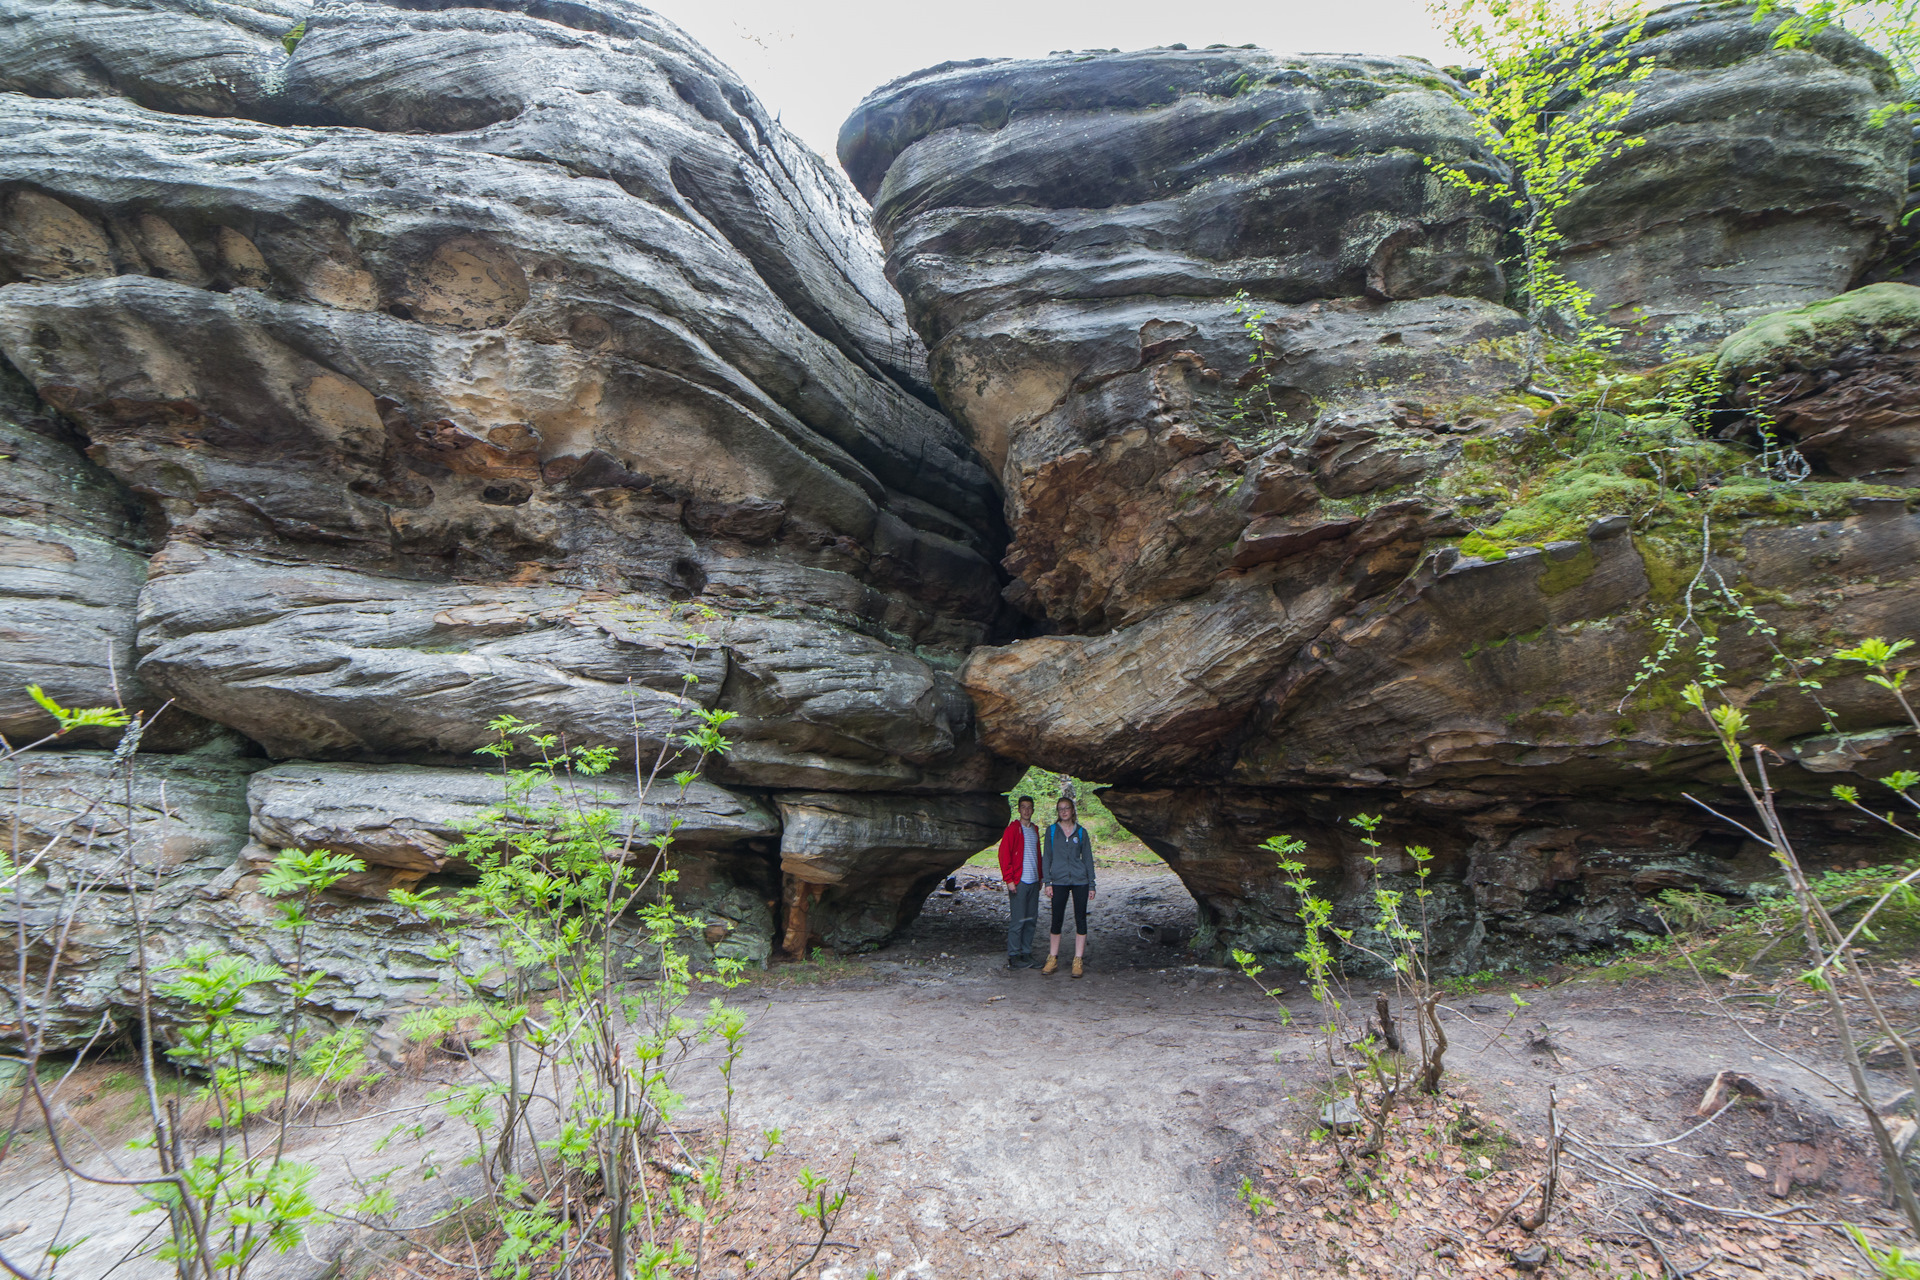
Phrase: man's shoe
x=1079 y=967
x=1053 y=962
x=1019 y=962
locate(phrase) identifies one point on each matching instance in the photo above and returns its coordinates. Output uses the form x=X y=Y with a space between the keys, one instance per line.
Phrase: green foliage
x=78 y=718
x=1256 y=1203
x=1632 y=446
x=1878 y=655
x=234 y=1198
x=1890 y=27
x=567 y=955
x=586 y=985
x=338 y=1057
x=1833 y=950
x=1893 y=1264
x=1046 y=787
x=1547 y=107
x=1720 y=936
x=1377 y=1083
x=294 y=35
x=819 y=1208
x=1257 y=415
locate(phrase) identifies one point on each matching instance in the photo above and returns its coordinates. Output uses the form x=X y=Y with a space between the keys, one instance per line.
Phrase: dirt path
x=1049 y=1123
x=1006 y=1124
x=1011 y=1124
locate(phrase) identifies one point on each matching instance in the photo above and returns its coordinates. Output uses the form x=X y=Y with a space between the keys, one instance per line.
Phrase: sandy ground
x=1055 y=1124
x=1003 y=1123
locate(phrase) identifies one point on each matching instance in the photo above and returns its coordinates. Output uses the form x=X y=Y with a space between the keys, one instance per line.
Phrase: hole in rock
x=510 y=493
x=1142 y=918
x=690 y=574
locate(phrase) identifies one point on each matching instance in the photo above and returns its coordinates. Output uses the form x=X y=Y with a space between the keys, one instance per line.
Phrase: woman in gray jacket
x=1068 y=871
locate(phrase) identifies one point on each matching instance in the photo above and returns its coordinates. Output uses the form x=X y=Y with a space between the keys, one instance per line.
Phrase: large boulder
x=184 y=862
x=1071 y=235
x=400 y=821
x=385 y=370
x=1485 y=708
x=1304 y=554
x=1760 y=178
x=866 y=863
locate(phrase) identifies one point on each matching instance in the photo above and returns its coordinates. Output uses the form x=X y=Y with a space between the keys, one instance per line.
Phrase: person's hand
x=1009 y=885
x=1052 y=893
x=1091 y=893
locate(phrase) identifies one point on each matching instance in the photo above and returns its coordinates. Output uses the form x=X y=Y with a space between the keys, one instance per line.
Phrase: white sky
x=811 y=61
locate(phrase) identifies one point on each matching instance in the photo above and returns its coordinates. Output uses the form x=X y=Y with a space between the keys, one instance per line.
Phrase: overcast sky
x=810 y=61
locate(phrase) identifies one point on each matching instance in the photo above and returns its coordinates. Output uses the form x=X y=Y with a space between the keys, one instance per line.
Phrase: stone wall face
x=1245 y=369
x=464 y=362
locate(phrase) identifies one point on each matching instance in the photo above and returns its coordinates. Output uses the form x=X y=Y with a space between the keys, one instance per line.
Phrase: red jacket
x=1013 y=851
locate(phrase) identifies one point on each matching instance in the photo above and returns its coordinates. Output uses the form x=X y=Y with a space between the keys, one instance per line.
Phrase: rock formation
x=397 y=368
x=1760 y=178
x=1841 y=380
x=1302 y=553
x=375 y=370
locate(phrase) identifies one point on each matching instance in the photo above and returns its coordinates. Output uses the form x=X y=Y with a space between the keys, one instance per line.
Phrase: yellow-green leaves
x=1547 y=106
x=84 y=717
x=1878 y=654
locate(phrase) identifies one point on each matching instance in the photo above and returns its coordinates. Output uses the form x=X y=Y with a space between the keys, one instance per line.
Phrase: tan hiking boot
x=1079 y=967
x=1053 y=962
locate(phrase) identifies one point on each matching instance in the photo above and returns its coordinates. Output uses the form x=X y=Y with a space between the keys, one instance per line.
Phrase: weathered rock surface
x=95 y=859
x=1478 y=709
x=1759 y=180
x=70 y=574
x=401 y=819
x=1069 y=234
x=454 y=363
x=460 y=362
x=205 y=829
x=337 y=664
x=870 y=861
x=1239 y=521
x=404 y=817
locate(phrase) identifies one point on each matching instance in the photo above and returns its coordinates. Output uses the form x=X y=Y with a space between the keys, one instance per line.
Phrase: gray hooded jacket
x=1068 y=861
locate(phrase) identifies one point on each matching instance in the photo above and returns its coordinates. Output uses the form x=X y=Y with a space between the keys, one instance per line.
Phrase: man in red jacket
x=1020 y=872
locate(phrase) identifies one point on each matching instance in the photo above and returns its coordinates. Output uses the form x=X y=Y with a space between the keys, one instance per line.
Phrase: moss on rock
x=1812 y=337
x=1659 y=471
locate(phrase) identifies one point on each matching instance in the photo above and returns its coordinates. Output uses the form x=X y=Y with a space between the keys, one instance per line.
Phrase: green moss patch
x=1877 y=317
x=1584 y=465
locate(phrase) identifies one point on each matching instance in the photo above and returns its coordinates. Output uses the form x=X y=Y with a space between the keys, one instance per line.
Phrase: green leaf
x=87 y=717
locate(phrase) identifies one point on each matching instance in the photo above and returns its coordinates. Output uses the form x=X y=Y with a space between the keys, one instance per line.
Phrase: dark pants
x=1024 y=912
x=1078 y=892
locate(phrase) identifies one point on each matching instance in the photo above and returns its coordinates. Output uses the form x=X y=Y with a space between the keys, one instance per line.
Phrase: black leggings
x=1078 y=892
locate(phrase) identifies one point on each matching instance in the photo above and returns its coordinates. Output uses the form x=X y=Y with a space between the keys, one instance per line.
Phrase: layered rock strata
x=436 y=364
x=1302 y=552
x=1759 y=178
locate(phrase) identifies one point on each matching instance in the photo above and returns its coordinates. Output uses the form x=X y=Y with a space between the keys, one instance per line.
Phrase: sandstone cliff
x=1305 y=553
x=392 y=368
x=373 y=370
